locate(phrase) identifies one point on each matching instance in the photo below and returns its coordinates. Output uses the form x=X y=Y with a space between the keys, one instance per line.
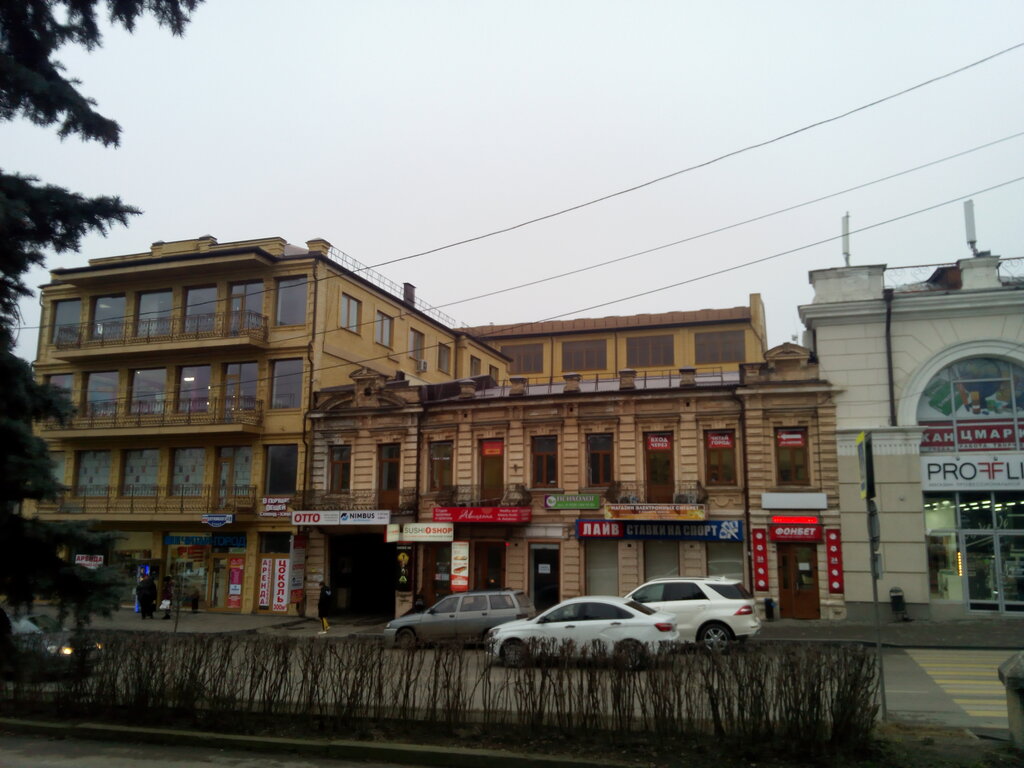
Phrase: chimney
x=687 y=377
x=409 y=294
x=467 y=389
x=627 y=378
x=572 y=382
x=750 y=373
x=517 y=385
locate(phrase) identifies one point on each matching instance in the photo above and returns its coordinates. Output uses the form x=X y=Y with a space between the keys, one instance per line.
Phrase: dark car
x=465 y=617
x=44 y=648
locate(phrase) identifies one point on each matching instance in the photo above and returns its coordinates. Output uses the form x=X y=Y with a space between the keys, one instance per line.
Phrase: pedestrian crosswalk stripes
x=971 y=679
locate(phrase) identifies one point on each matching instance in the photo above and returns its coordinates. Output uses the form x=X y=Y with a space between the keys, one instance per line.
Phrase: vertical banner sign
x=404 y=567
x=834 y=558
x=719 y=439
x=266 y=567
x=659 y=442
x=236 y=568
x=298 y=567
x=280 y=585
x=491 y=447
x=759 y=537
x=460 y=566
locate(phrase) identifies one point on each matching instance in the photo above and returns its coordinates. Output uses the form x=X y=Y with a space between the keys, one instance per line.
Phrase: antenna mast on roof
x=846 y=239
x=972 y=238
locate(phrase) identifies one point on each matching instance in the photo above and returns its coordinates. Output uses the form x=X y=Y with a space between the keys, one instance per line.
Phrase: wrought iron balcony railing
x=638 y=493
x=404 y=500
x=213 y=325
x=143 y=499
x=510 y=495
x=152 y=412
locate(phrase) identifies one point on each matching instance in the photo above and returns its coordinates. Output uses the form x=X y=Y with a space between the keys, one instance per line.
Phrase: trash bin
x=897 y=603
x=769 y=609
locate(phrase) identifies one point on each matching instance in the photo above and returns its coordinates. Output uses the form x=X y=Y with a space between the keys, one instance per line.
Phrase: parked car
x=44 y=648
x=714 y=610
x=464 y=617
x=583 y=624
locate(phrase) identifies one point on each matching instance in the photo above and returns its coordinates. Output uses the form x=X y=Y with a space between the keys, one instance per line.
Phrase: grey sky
x=390 y=128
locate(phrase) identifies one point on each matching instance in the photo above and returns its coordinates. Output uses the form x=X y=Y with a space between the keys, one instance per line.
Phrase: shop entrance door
x=658 y=458
x=437 y=572
x=798 y=581
x=488 y=565
x=544 y=586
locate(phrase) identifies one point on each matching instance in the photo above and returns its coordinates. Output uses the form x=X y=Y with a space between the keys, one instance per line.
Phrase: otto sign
x=341 y=517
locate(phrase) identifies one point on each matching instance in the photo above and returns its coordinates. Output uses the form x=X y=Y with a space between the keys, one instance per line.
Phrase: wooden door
x=798 y=581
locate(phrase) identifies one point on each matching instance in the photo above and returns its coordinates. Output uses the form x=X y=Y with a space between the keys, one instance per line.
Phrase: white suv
x=713 y=611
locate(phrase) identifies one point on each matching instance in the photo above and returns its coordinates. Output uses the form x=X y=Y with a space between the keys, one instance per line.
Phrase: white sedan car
x=611 y=624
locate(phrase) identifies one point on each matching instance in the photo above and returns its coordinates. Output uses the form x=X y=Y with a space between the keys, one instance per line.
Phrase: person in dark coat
x=167 y=596
x=323 y=606
x=146 y=593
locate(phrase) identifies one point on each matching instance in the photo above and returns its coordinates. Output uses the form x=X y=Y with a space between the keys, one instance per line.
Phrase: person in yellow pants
x=323 y=607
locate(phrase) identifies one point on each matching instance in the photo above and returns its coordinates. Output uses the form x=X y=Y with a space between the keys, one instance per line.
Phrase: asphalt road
x=42 y=752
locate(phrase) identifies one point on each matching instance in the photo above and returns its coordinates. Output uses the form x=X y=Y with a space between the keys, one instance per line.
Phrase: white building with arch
x=930 y=362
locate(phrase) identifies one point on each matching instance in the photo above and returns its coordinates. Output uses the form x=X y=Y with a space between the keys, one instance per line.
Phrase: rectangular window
x=291 y=300
x=93 y=475
x=246 y=306
x=388 y=460
x=340 y=470
x=62 y=381
x=417 y=341
x=188 y=467
x=440 y=470
x=153 y=314
x=526 y=358
x=286 y=384
x=351 y=310
x=282 y=465
x=67 y=316
x=101 y=393
x=57 y=463
x=602 y=567
x=599 y=460
x=648 y=351
x=444 y=358
x=141 y=470
x=720 y=457
x=108 y=317
x=590 y=355
x=719 y=347
x=194 y=389
x=201 y=309
x=791 y=456
x=492 y=371
x=474 y=365
x=240 y=381
x=383 y=329
x=545 y=461
x=148 y=385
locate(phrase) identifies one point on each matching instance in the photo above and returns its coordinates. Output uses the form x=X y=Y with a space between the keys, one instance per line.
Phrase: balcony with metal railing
x=127 y=413
x=509 y=495
x=690 y=492
x=147 y=499
x=128 y=335
x=403 y=500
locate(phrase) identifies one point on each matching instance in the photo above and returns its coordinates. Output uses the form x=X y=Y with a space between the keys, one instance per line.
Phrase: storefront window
x=976 y=511
x=939 y=511
x=1009 y=510
x=944 y=577
x=602 y=567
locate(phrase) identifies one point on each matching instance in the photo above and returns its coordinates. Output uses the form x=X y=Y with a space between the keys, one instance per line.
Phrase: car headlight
x=66 y=650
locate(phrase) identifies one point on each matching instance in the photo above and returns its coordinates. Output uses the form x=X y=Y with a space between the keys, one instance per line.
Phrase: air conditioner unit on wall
x=421 y=365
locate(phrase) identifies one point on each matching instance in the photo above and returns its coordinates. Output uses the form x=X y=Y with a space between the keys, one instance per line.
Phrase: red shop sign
x=834 y=559
x=482 y=514
x=491 y=447
x=760 y=543
x=795 y=533
x=659 y=442
x=719 y=439
x=790 y=438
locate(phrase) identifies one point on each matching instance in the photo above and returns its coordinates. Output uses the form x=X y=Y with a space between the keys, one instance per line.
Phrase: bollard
x=1011 y=675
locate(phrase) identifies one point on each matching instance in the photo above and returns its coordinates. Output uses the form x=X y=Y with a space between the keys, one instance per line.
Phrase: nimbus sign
x=341 y=517
x=983 y=472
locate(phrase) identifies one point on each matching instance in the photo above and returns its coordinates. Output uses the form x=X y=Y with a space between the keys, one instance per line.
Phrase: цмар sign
x=973 y=472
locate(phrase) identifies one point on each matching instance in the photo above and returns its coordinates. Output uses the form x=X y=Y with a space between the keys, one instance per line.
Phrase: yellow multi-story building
x=709 y=340
x=191 y=367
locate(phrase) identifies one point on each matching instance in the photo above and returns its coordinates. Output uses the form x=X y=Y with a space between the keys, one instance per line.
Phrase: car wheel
x=513 y=654
x=632 y=654
x=715 y=637
x=405 y=639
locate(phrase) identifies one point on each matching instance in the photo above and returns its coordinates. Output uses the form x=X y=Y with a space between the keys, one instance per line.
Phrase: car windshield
x=640 y=607
x=731 y=591
x=46 y=623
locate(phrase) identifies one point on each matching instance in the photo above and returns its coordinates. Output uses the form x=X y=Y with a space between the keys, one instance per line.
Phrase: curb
x=405 y=754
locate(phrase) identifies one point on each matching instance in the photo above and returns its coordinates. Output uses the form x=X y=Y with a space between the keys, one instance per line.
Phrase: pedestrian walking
x=167 y=596
x=323 y=607
x=146 y=594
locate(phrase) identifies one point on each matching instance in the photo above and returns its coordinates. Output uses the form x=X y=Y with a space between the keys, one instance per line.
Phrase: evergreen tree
x=36 y=218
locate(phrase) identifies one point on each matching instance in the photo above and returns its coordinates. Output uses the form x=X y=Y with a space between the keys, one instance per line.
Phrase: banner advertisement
x=89 y=561
x=834 y=558
x=719 y=439
x=341 y=517
x=974 y=472
x=944 y=437
x=236 y=568
x=428 y=532
x=790 y=438
x=280 y=585
x=759 y=537
x=298 y=577
x=657 y=511
x=274 y=506
x=460 y=566
x=266 y=567
x=713 y=530
x=795 y=533
x=659 y=442
x=482 y=514
x=217 y=520
x=393 y=533
x=575 y=501
x=492 y=447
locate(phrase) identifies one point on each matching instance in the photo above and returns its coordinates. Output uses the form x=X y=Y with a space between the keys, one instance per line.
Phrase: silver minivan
x=464 y=617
